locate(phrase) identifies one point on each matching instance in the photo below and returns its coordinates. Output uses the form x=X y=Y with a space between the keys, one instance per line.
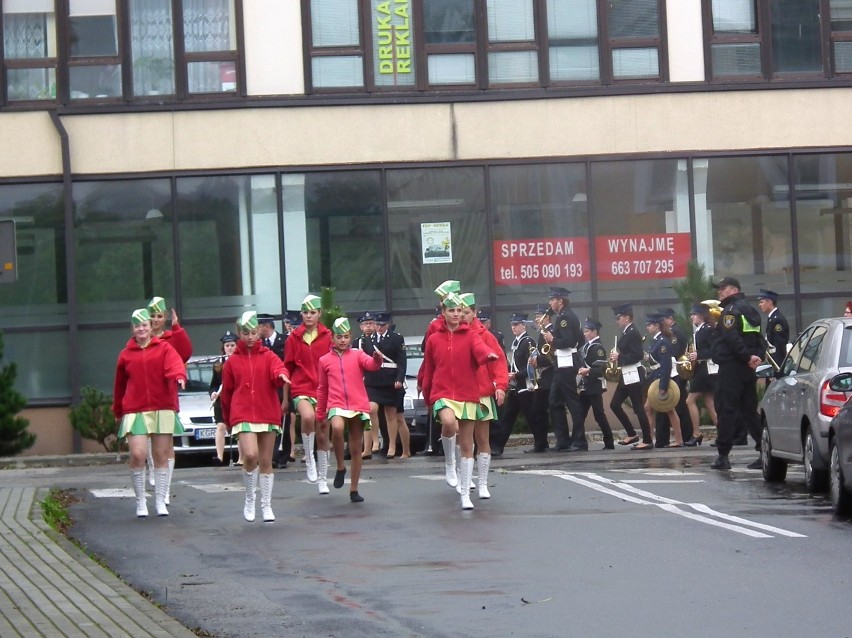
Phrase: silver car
x=196 y=409
x=798 y=405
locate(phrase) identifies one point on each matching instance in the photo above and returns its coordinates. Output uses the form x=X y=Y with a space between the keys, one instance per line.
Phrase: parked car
x=416 y=414
x=840 y=448
x=798 y=405
x=196 y=410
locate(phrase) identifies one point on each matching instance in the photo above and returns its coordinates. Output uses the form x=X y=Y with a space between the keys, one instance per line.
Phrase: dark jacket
x=591 y=352
x=738 y=332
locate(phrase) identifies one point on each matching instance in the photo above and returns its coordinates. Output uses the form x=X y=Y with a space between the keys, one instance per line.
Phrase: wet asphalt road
x=602 y=544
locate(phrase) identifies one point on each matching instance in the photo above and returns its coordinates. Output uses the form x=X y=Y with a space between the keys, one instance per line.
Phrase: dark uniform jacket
x=679 y=341
x=661 y=352
x=738 y=332
x=629 y=346
x=591 y=352
x=392 y=346
x=704 y=338
x=566 y=332
x=778 y=333
x=518 y=357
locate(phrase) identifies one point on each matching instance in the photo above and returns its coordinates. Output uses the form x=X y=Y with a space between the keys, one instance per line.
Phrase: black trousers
x=540 y=424
x=595 y=403
x=563 y=393
x=516 y=403
x=736 y=404
x=634 y=392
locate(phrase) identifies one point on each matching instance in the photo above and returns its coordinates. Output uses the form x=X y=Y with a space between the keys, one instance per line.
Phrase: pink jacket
x=341 y=380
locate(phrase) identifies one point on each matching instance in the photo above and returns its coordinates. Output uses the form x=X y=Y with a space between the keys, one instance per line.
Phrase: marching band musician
x=660 y=354
x=680 y=342
x=703 y=382
x=629 y=356
x=592 y=385
x=543 y=367
x=520 y=396
x=564 y=339
x=777 y=329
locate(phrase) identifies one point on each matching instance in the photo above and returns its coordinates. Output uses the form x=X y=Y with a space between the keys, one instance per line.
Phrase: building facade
x=227 y=154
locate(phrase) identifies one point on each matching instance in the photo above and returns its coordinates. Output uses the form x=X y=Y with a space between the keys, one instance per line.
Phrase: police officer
x=679 y=343
x=564 y=339
x=628 y=356
x=275 y=341
x=385 y=386
x=592 y=386
x=738 y=349
x=520 y=395
x=367 y=324
x=543 y=378
x=777 y=333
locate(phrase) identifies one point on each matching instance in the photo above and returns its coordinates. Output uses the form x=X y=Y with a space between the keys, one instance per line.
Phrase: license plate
x=205 y=433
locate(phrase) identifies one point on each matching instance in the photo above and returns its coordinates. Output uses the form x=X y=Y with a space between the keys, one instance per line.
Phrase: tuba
x=685 y=367
x=612 y=371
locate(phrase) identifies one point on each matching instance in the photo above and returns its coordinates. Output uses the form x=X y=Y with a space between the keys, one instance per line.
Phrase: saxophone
x=612 y=371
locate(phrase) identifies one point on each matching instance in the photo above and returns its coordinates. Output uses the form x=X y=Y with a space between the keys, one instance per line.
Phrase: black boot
x=721 y=463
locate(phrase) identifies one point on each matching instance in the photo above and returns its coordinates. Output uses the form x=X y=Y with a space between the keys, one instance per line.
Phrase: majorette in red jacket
x=301 y=360
x=495 y=374
x=450 y=363
x=146 y=378
x=178 y=339
x=341 y=380
x=249 y=382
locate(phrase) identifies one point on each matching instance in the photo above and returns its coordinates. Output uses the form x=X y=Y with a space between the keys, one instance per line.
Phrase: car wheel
x=815 y=480
x=841 y=499
x=774 y=470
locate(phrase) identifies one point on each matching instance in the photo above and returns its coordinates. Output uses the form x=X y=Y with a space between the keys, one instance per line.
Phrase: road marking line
x=769 y=528
x=661 y=481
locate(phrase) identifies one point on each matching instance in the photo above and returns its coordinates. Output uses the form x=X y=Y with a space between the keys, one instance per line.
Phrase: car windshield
x=199 y=372
x=414 y=359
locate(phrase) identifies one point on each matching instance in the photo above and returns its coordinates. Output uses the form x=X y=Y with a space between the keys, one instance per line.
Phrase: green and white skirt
x=152 y=422
x=257 y=428
x=464 y=410
x=350 y=414
x=304 y=397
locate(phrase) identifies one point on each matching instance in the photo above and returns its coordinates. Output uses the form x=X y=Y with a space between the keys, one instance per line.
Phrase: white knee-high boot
x=139 y=491
x=466 y=474
x=310 y=463
x=449 y=444
x=250 y=479
x=169 y=483
x=150 y=463
x=483 y=462
x=266 y=481
x=161 y=486
x=322 y=471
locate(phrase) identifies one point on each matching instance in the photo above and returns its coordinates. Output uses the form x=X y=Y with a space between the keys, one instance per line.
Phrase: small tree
x=14 y=437
x=330 y=310
x=92 y=417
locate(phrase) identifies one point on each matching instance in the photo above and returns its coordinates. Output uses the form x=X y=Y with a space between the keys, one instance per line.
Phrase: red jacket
x=450 y=365
x=495 y=374
x=146 y=378
x=179 y=340
x=301 y=360
x=341 y=380
x=249 y=382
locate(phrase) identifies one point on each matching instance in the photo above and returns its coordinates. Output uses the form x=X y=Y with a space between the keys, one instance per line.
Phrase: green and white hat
x=451 y=285
x=248 y=320
x=341 y=326
x=311 y=302
x=139 y=316
x=468 y=299
x=157 y=304
x=452 y=300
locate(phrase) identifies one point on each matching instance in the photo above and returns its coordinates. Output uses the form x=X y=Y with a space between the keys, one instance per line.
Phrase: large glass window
x=824 y=222
x=436 y=218
x=572 y=33
x=124 y=248
x=334 y=237
x=228 y=245
x=29 y=49
x=742 y=220
x=540 y=231
x=640 y=212
x=152 y=47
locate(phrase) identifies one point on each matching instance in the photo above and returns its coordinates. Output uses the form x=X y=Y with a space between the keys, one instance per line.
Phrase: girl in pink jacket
x=342 y=398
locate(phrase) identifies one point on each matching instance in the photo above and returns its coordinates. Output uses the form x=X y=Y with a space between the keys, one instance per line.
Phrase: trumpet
x=612 y=371
x=685 y=367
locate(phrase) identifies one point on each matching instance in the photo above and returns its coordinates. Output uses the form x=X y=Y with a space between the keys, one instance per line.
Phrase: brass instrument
x=612 y=371
x=715 y=308
x=685 y=367
x=546 y=348
x=659 y=404
x=533 y=372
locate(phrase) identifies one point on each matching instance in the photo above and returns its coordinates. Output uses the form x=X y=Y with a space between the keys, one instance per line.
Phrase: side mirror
x=841 y=382
x=765 y=371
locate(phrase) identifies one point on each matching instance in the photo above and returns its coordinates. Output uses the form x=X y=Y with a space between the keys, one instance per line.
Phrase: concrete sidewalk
x=48 y=587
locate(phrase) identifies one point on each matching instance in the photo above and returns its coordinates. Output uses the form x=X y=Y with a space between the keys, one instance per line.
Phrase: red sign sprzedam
x=538 y=261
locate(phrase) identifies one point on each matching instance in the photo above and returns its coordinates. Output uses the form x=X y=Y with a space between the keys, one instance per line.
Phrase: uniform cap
x=265 y=318
x=139 y=316
x=541 y=308
x=699 y=309
x=592 y=324
x=452 y=300
x=468 y=299
x=341 y=326
x=451 y=285
x=484 y=315
x=520 y=317
x=654 y=318
x=768 y=294
x=623 y=309
x=228 y=337
x=311 y=302
x=157 y=304
x=666 y=312
x=383 y=318
x=728 y=281
x=367 y=316
x=557 y=291
x=248 y=320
